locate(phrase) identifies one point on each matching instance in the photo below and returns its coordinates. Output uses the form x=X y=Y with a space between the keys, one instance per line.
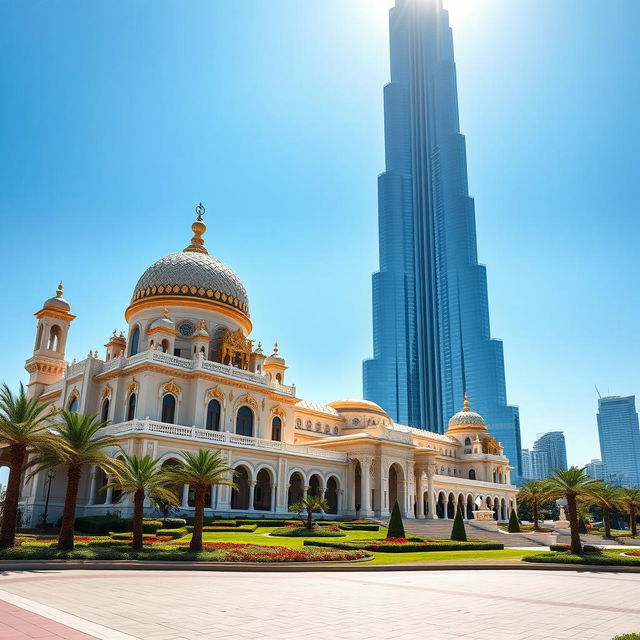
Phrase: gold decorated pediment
x=215 y=392
x=172 y=387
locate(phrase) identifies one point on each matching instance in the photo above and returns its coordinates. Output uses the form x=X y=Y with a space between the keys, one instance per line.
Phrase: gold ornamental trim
x=172 y=387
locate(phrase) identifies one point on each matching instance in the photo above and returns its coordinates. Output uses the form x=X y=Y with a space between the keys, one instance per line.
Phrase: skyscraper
x=552 y=446
x=431 y=337
x=620 y=439
x=596 y=469
x=535 y=465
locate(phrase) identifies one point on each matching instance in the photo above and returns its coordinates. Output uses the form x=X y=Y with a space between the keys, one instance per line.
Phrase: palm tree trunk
x=138 y=514
x=198 y=520
x=633 y=521
x=606 y=516
x=309 y=518
x=65 y=537
x=534 y=504
x=17 y=455
x=576 y=545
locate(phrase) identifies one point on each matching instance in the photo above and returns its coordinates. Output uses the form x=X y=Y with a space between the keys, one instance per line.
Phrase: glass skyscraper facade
x=431 y=337
x=620 y=439
x=552 y=447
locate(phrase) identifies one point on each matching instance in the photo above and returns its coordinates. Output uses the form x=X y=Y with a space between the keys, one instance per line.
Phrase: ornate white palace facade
x=187 y=376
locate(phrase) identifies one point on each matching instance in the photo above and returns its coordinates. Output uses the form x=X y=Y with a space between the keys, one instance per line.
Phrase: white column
x=92 y=488
x=273 y=497
x=352 y=487
x=431 y=497
x=306 y=491
x=185 y=497
x=252 y=493
x=365 y=483
x=420 y=493
x=340 y=501
x=109 y=497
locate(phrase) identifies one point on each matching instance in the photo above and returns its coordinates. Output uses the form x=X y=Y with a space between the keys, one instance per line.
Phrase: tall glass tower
x=431 y=338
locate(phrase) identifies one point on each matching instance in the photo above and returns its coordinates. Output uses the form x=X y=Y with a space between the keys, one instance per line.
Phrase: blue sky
x=118 y=117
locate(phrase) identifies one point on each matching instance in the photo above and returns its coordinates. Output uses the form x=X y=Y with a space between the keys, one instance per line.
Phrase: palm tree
x=630 y=500
x=311 y=505
x=607 y=497
x=535 y=492
x=141 y=476
x=571 y=484
x=81 y=445
x=199 y=470
x=24 y=427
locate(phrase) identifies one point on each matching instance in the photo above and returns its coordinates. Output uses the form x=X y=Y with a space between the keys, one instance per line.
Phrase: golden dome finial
x=198 y=228
x=165 y=312
x=275 y=347
x=59 y=290
x=466 y=406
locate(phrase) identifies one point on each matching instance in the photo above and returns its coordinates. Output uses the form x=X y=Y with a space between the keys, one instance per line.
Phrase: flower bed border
x=409 y=548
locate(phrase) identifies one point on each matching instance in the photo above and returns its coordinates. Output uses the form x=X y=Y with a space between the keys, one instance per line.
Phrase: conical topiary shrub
x=514 y=524
x=396 y=528
x=458 y=531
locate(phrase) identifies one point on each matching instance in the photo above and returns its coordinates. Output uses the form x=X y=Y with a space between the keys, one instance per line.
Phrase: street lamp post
x=50 y=476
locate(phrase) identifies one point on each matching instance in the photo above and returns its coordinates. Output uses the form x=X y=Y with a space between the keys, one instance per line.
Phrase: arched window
x=244 y=422
x=168 y=408
x=213 y=416
x=278 y=378
x=39 y=338
x=54 y=338
x=104 y=414
x=276 y=428
x=467 y=442
x=131 y=407
x=135 y=340
x=73 y=404
x=165 y=346
x=472 y=474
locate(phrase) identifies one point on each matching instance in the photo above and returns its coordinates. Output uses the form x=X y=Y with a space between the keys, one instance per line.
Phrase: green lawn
x=261 y=537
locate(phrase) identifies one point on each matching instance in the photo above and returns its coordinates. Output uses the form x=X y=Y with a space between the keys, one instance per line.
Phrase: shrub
x=582 y=527
x=396 y=528
x=151 y=526
x=411 y=546
x=173 y=523
x=101 y=525
x=628 y=636
x=247 y=528
x=514 y=523
x=174 y=533
x=458 y=532
x=359 y=527
x=587 y=548
x=303 y=532
x=600 y=559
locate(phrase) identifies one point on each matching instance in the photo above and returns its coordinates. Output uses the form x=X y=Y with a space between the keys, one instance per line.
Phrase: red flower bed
x=236 y=552
x=394 y=541
x=635 y=554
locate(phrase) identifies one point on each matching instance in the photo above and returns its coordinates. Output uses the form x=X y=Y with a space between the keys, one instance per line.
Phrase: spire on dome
x=466 y=406
x=198 y=228
x=275 y=348
x=59 y=290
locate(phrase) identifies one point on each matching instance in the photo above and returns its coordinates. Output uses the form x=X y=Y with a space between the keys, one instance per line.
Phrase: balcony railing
x=197 y=364
x=223 y=438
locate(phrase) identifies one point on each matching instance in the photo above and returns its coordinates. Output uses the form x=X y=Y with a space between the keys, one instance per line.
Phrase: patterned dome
x=193 y=273
x=466 y=419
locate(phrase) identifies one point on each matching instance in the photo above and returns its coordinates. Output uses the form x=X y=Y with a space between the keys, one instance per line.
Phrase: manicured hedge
x=101 y=525
x=303 y=532
x=359 y=527
x=445 y=545
x=604 y=559
x=247 y=528
x=174 y=533
x=128 y=535
x=587 y=548
x=149 y=526
x=628 y=636
x=173 y=523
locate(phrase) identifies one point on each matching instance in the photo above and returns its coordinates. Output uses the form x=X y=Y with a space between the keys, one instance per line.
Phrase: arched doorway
x=451 y=507
x=166 y=465
x=460 y=505
x=503 y=509
x=331 y=495
x=469 y=507
x=262 y=491
x=314 y=485
x=440 y=507
x=396 y=492
x=496 y=509
x=240 y=495
x=296 y=488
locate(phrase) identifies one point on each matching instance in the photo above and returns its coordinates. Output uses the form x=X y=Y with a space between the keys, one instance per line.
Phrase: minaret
x=431 y=334
x=47 y=365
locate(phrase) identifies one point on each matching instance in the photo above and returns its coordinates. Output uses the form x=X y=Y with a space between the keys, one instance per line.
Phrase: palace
x=187 y=376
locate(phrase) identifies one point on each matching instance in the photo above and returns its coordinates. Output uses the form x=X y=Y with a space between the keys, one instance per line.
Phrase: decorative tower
x=47 y=364
x=200 y=341
x=116 y=346
x=162 y=333
x=274 y=366
x=257 y=359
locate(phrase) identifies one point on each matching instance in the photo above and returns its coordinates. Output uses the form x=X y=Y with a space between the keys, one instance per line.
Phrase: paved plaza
x=181 y=605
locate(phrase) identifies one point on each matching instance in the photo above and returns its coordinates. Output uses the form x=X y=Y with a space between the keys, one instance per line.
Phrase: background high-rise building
x=552 y=446
x=431 y=335
x=596 y=470
x=534 y=465
x=620 y=439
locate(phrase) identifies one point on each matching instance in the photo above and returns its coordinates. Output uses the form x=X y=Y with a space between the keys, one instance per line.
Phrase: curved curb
x=352 y=566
